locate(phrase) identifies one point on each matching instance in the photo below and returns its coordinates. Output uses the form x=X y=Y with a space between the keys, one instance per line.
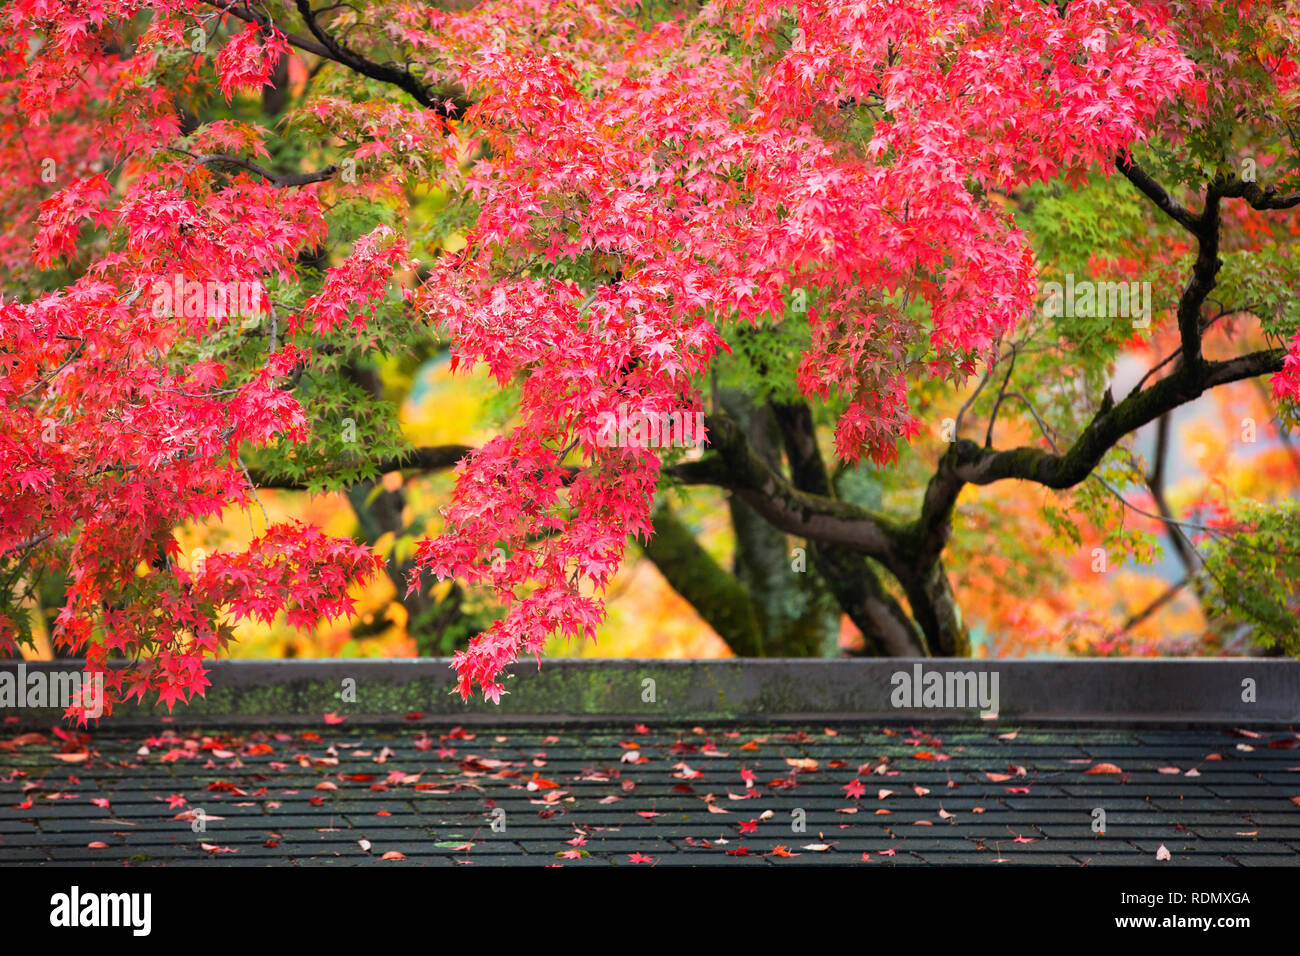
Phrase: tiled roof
x=653 y=793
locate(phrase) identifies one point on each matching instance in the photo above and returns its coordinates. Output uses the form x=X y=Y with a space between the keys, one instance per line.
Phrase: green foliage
x=1075 y=232
x=764 y=358
x=1265 y=281
x=1256 y=572
x=448 y=626
x=351 y=432
x=1069 y=226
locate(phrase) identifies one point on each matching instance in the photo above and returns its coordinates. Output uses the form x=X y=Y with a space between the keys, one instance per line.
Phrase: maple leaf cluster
x=107 y=444
x=719 y=185
x=639 y=186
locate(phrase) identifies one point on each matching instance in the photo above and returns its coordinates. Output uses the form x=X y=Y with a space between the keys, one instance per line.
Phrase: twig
x=993 y=416
x=49 y=378
x=296 y=179
x=1165 y=597
x=253 y=488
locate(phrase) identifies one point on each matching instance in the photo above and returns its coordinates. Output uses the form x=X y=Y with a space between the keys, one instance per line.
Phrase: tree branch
x=385 y=72
x=886 y=628
x=977 y=466
x=816 y=517
x=279 y=181
x=429 y=458
x=1156 y=484
x=1156 y=193
x=997 y=405
x=327 y=48
x=1259 y=198
x=1204 y=272
x=1164 y=598
x=249 y=16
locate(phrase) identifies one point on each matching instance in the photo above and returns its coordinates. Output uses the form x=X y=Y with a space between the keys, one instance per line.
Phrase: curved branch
x=387 y=73
x=1155 y=481
x=886 y=628
x=1137 y=617
x=1156 y=193
x=275 y=179
x=1259 y=198
x=429 y=458
x=327 y=48
x=248 y=16
x=976 y=466
x=816 y=517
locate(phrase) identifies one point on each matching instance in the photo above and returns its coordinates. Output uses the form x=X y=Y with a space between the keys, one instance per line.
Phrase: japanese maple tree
x=846 y=208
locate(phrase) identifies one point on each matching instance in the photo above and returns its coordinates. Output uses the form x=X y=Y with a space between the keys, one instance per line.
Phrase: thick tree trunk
x=934 y=607
x=794 y=608
x=716 y=595
x=886 y=628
